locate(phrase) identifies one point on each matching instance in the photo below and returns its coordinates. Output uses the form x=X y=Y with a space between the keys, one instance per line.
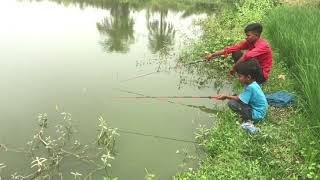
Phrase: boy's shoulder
x=254 y=86
x=252 y=93
x=263 y=42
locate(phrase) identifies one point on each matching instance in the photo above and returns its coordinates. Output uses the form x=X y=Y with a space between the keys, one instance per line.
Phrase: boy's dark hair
x=249 y=67
x=254 y=27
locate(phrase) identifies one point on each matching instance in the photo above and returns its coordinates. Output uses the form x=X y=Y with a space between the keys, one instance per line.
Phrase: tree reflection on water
x=118 y=34
x=117 y=30
x=161 y=32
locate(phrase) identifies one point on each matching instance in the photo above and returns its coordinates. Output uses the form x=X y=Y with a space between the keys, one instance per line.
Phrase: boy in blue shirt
x=252 y=103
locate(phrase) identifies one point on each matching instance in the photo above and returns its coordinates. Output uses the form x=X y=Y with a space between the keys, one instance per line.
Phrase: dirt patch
x=301 y=2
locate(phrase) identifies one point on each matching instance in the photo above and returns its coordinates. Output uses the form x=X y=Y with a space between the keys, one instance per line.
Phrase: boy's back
x=259 y=50
x=254 y=96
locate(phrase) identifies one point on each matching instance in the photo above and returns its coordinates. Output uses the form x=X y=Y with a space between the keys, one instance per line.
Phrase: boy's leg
x=236 y=55
x=260 y=77
x=243 y=109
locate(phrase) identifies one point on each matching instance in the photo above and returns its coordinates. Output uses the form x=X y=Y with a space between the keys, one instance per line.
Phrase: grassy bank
x=287 y=147
x=296 y=36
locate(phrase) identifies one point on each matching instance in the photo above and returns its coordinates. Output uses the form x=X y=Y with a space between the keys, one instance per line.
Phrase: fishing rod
x=158 y=71
x=199 y=61
x=127 y=131
x=130 y=92
x=202 y=108
x=142 y=96
x=166 y=97
x=195 y=62
x=142 y=75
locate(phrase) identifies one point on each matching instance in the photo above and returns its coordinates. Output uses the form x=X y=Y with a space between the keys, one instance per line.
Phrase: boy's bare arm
x=217 y=53
x=233 y=69
x=228 y=97
x=233 y=97
x=228 y=50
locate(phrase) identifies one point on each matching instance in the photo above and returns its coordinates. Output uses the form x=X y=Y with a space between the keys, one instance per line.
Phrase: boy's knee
x=236 y=55
x=233 y=104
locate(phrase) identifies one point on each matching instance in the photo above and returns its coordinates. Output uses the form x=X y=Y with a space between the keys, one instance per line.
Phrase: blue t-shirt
x=254 y=96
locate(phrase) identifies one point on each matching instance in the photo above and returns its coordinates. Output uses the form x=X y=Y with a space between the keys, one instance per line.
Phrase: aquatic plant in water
x=48 y=152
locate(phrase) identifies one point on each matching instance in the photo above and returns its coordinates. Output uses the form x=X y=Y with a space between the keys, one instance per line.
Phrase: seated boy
x=254 y=47
x=252 y=103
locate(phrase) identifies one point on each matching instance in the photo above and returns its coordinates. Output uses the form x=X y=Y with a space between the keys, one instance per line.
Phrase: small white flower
x=105 y=157
x=39 y=162
x=75 y=174
x=114 y=132
x=282 y=77
x=76 y=143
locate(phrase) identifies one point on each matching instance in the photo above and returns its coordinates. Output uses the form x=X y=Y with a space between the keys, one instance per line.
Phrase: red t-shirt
x=259 y=50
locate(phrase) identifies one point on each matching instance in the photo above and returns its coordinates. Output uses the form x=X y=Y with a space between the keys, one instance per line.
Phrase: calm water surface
x=77 y=57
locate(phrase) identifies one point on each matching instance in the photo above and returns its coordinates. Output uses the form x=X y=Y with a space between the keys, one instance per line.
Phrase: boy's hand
x=233 y=70
x=221 y=97
x=210 y=56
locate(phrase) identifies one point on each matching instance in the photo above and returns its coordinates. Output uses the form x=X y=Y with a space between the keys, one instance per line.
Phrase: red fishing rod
x=166 y=97
x=202 y=108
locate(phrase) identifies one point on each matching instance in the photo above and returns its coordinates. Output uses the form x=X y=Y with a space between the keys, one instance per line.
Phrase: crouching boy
x=251 y=104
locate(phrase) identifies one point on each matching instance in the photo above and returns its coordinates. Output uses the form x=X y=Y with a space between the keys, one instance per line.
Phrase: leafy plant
x=288 y=146
x=49 y=151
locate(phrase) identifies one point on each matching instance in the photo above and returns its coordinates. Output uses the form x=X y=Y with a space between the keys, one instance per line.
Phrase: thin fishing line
x=159 y=97
x=127 y=91
x=158 y=71
x=136 y=77
x=155 y=136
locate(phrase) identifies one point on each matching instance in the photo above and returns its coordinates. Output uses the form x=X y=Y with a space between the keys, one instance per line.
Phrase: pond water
x=77 y=56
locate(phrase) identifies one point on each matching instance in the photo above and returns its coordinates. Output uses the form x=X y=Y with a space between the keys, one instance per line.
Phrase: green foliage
x=226 y=28
x=51 y=149
x=223 y=29
x=299 y=46
x=250 y=11
x=287 y=147
x=280 y=77
x=273 y=153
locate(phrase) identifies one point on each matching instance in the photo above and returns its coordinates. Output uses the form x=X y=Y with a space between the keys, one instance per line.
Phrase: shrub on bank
x=288 y=146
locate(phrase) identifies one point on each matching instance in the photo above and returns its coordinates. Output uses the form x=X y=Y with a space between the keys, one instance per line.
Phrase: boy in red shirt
x=255 y=47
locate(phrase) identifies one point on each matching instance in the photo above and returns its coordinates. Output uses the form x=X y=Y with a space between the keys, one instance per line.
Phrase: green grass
x=297 y=36
x=223 y=29
x=288 y=145
x=279 y=151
